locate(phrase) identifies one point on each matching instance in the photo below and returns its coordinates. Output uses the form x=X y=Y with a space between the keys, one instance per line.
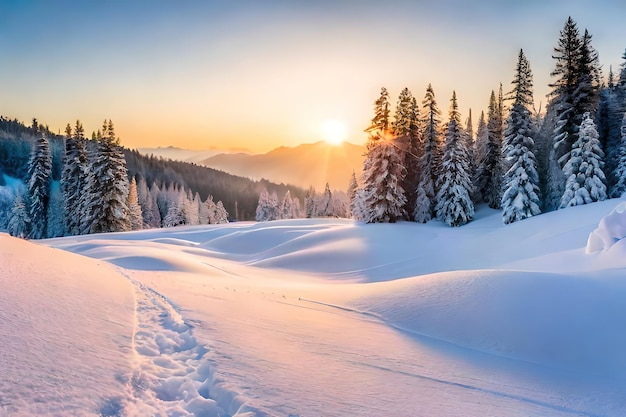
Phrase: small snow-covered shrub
x=611 y=229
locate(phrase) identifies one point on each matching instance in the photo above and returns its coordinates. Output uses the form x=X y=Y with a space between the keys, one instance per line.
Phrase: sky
x=256 y=75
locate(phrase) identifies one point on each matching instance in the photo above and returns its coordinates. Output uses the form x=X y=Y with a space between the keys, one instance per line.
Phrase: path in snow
x=172 y=374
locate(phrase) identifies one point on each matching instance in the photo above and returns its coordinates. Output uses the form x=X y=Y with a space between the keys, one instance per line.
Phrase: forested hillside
x=54 y=185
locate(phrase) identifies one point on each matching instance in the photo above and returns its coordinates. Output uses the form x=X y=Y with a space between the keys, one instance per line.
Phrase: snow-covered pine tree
x=429 y=160
x=615 y=105
x=178 y=211
x=383 y=195
x=74 y=177
x=295 y=204
x=586 y=182
x=520 y=198
x=309 y=203
x=432 y=135
x=620 y=172
x=563 y=96
x=454 y=205
x=55 y=216
x=406 y=130
x=325 y=207
x=480 y=154
x=154 y=219
x=489 y=168
x=286 y=208
x=39 y=180
x=221 y=215
x=19 y=222
x=380 y=122
x=268 y=208
x=207 y=211
x=383 y=171
x=136 y=218
x=469 y=143
x=353 y=186
x=107 y=209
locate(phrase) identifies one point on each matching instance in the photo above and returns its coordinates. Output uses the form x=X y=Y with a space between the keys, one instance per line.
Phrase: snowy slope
x=66 y=325
x=329 y=317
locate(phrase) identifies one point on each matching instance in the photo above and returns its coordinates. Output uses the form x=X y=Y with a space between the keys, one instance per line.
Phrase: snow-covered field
x=318 y=318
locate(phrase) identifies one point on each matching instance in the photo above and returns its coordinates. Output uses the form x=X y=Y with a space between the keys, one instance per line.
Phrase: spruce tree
x=620 y=171
x=429 y=160
x=454 y=205
x=19 y=222
x=107 y=207
x=325 y=207
x=39 y=180
x=586 y=182
x=567 y=55
x=380 y=122
x=383 y=196
x=136 y=218
x=221 y=215
x=353 y=186
x=520 y=198
x=489 y=169
x=286 y=207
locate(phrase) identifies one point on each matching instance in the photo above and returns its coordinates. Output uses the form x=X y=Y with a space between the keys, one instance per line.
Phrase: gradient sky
x=260 y=74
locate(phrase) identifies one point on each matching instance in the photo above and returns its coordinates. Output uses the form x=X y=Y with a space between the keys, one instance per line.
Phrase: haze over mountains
x=312 y=164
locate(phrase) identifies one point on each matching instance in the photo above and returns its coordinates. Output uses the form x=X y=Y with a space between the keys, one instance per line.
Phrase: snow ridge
x=172 y=374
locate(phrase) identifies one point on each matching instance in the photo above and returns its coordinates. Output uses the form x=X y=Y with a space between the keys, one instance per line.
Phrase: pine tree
x=454 y=205
x=520 y=198
x=489 y=169
x=429 y=160
x=207 y=211
x=383 y=172
x=403 y=118
x=620 y=172
x=309 y=203
x=39 y=179
x=353 y=186
x=380 y=121
x=56 y=217
x=136 y=218
x=19 y=222
x=431 y=136
x=615 y=108
x=263 y=207
x=73 y=177
x=410 y=145
x=178 y=211
x=221 y=215
x=470 y=144
x=586 y=182
x=286 y=208
x=567 y=55
x=325 y=206
x=108 y=186
x=480 y=155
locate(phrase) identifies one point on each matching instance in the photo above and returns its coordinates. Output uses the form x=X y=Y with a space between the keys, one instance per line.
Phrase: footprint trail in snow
x=172 y=374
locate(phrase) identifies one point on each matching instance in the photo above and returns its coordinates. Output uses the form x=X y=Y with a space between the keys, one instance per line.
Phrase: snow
x=612 y=229
x=319 y=317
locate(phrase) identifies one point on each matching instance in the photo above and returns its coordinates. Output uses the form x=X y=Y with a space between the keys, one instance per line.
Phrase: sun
x=334 y=132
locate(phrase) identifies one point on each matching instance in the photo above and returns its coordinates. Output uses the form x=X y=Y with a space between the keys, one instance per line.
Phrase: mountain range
x=312 y=164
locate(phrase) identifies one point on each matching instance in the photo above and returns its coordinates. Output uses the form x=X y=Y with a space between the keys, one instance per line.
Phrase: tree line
x=520 y=161
x=69 y=185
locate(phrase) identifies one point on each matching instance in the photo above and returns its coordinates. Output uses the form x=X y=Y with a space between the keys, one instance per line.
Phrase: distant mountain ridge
x=184 y=155
x=311 y=164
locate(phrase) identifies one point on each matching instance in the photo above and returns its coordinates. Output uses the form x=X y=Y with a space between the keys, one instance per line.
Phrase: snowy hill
x=321 y=317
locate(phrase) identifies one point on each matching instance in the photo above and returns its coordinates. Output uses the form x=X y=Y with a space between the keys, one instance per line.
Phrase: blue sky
x=260 y=74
